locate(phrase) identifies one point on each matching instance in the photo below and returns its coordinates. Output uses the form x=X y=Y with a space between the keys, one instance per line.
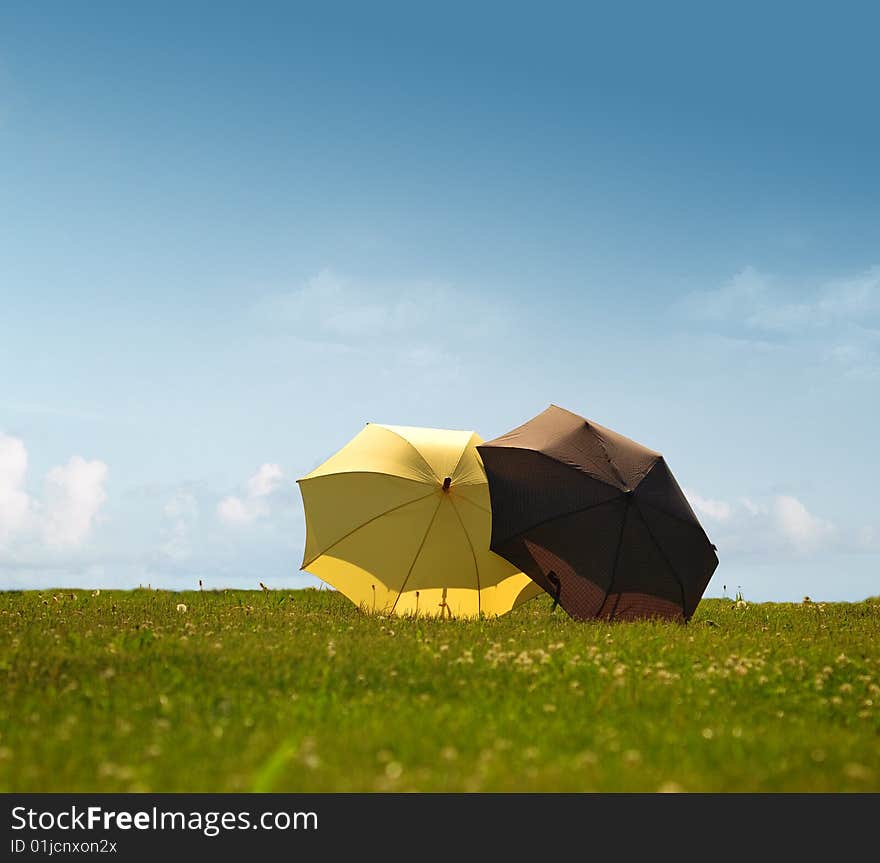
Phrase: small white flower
x=181 y=607
x=393 y=769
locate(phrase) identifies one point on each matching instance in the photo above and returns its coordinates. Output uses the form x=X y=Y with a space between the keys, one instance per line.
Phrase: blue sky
x=230 y=234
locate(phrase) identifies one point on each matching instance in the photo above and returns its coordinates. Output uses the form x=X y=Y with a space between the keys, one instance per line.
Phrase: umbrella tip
x=446 y=483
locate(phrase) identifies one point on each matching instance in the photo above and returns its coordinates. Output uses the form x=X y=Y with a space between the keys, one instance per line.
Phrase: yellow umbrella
x=399 y=521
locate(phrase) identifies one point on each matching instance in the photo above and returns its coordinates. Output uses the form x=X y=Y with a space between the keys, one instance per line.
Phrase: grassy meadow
x=298 y=691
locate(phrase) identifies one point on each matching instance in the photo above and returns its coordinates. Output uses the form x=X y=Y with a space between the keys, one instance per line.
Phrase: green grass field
x=298 y=691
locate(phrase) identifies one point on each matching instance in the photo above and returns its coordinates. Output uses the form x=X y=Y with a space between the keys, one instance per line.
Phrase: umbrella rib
x=665 y=559
x=481 y=508
x=564 y=515
x=461 y=456
x=694 y=525
x=365 y=472
x=604 y=449
x=364 y=524
x=412 y=446
x=640 y=476
x=415 y=559
x=616 y=560
x=473 y=553
x=573 y=467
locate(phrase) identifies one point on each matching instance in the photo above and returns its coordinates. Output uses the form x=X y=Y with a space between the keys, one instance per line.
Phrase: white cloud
x=15 y=504
x=774 y=527
x=74 y=495
x=264 y=481
x=861 y=358
x=751 y=507
x=181 y=514
x=382 y=337
x=854 y=298
x=182 y=505
x=869 y=538
x=233 y=510
x=418 y=324
x=738 y=298
x=717 y=510
x=761 y=301
x=839 y=318
x=333 y=307
x=804 y=531
x=254 y=504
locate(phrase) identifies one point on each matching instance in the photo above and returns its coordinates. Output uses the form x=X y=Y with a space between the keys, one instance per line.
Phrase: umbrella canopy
x=399 y=521
x=596 y=519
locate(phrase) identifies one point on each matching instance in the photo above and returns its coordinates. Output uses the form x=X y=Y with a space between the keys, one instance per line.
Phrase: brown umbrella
x=596 y=519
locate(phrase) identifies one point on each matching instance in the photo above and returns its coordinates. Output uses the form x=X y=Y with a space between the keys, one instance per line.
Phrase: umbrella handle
x=553 y=578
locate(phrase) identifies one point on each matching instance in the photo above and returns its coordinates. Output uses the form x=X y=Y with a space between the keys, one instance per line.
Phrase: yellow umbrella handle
x=444 y=607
